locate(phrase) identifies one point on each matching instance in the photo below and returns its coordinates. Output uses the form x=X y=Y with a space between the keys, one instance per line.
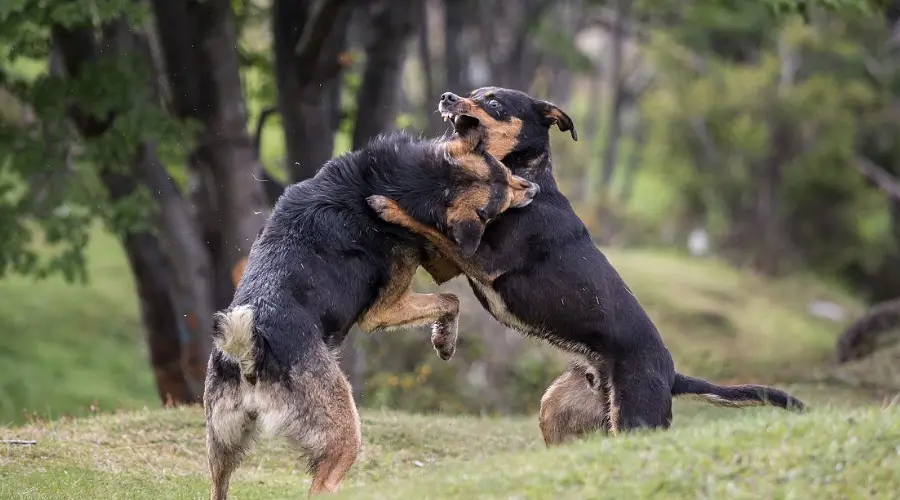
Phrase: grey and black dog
x=323 y=262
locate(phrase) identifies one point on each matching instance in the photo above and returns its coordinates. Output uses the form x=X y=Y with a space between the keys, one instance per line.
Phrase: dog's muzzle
x=530 y=192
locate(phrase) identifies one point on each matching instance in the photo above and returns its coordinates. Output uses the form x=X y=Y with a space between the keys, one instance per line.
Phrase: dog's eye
x=590 y=379
x=493 y=104
x=482 y=214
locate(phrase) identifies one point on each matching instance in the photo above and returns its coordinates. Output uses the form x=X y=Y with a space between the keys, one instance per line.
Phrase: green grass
x=833 y=451
x=724 y=323
x=65 y=347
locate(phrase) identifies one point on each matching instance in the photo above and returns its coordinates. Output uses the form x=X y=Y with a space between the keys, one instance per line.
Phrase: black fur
x=738 y=395
x=324 y=255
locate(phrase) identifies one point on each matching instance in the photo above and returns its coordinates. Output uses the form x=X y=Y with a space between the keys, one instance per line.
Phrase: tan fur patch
x=503 y=136
x=465 y=207
x=613 y=407
x=315 y=411
x=570 y=408
x=398 y=307
x=238 y=271
x=440 y=268
x=391 y=212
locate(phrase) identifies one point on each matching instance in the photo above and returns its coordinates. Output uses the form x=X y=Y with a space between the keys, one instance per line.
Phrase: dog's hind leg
x=229 y=433
x=638 y=398
x=327 y=426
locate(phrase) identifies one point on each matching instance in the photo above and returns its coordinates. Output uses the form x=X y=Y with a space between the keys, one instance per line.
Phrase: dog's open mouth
x=462 y=123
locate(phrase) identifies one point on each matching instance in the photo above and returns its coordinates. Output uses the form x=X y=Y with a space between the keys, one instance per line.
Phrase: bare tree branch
x=884 y=180
x=314 y=35
x=260 y=123
x=20 y=442
x=271 y=186
x=861 y=338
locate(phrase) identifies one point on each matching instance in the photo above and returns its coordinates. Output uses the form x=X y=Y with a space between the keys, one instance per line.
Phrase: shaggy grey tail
x=235 y=339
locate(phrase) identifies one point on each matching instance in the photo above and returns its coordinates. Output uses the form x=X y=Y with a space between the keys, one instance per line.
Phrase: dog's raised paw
x=387 y=209
x=378 y=203
x=444 y=341
x=445 y=351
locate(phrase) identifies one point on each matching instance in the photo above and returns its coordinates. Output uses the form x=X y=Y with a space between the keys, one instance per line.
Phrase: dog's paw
x=445 y=350
x=385 y=207
x=444 y=339
x=378 y=202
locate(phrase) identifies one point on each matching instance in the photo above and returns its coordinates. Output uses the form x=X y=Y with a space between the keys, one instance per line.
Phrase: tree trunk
x=272 y=186
x=392 y=25
x=591 y=132
x=160 y=315
x=457 y=15
x=611 y=153
x=433 y=123
x=173 y=285
x=522 y=60
x=508 y=46
x=634 y=162
x=200 y=48
x=307 y=46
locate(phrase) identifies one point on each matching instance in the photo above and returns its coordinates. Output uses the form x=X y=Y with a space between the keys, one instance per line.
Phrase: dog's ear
x=467 y=234
x=554 y=115
x=592 y=376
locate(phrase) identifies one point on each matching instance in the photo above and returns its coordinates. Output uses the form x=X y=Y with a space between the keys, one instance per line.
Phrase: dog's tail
x=234 y=337
x=735 y=396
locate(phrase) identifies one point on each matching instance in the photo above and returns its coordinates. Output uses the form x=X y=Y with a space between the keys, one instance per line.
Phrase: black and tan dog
x=539 y=272
x=325 y=261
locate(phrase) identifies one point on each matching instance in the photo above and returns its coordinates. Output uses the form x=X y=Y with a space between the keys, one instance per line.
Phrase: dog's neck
x=422 y=192
x=534 y=164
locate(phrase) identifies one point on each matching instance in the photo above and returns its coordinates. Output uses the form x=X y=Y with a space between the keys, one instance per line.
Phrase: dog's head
x=482 y=188
x=505 y=121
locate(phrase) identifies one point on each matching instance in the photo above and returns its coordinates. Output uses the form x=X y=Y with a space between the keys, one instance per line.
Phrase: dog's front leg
x=440 y=268
x=474 y=267
x=441 y=311
x=397 y=307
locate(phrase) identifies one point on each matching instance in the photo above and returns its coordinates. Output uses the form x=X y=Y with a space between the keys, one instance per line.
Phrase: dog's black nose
x=449 y=97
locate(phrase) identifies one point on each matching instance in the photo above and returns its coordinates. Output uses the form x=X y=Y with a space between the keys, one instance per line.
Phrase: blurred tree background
x=740 y=161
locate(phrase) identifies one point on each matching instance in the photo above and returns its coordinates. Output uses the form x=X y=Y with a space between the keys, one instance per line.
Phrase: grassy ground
x=727 y=324
x=66 y=347
x=834 y=451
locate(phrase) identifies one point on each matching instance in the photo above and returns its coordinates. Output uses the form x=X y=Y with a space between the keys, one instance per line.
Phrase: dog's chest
x=494 y=303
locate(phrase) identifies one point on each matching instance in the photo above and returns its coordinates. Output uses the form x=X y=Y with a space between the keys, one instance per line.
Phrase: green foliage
x=778 y=122
x=50 y=173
